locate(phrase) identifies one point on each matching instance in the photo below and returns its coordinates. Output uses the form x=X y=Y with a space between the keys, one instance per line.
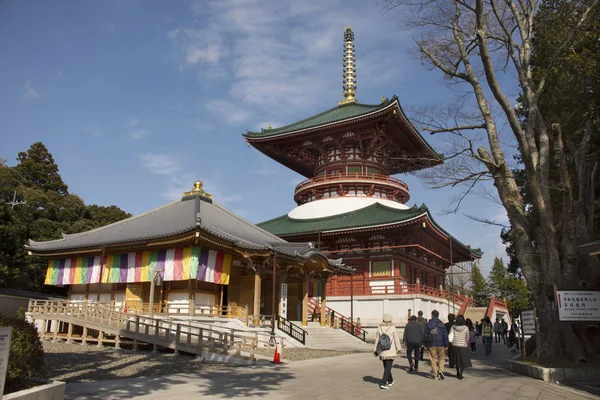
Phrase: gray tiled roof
x=176 y=218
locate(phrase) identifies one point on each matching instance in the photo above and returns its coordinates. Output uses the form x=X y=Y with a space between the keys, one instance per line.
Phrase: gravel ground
x=77 y=363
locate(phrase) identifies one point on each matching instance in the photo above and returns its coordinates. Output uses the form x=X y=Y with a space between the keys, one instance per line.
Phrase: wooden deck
x=100 y=323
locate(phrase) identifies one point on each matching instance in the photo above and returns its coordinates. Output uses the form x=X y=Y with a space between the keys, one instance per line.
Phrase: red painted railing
x=360 y=289
x=351 y=176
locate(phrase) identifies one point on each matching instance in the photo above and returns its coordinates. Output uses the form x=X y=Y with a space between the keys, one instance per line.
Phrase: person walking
x=387 y=346
x=459 y=337
x=504 y=332
x=435 y=339
x=472 y=336
x=487 y=330
x=448 y=326
x=423 y=322
x=477 y=329
x=413 y=339
x=497 y=330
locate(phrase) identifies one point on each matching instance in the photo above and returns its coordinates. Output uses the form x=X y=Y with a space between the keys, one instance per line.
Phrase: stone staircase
x=333 y=339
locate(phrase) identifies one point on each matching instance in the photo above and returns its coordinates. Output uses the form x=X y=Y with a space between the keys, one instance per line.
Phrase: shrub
x=26 y=358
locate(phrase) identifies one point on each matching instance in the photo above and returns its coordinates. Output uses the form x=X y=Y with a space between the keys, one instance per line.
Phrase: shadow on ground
x=226 y=383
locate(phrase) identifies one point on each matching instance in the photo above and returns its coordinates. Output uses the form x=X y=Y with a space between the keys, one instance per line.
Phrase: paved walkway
x=354 y=376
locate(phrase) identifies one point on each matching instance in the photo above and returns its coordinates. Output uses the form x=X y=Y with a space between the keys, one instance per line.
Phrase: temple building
x=353 y=207
x=187 y=257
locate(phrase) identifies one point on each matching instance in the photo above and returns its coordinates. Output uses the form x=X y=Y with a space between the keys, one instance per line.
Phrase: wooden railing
x=187 y=336
x=351 y=176
x=170 y=309
x=359 y=289
x=291 y=329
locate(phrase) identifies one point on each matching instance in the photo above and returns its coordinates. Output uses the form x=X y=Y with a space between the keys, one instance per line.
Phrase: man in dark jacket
x=413 y=338
x=436 y=340
x=448 y=326
x=422 y=321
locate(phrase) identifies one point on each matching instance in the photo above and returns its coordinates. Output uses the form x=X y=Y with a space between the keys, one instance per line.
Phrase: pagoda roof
x=188 y=215
x=404 y=135
x=375 y=216
x=336 y=114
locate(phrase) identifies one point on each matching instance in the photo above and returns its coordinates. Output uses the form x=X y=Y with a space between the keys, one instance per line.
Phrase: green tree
x=49 y=210
x=479 y=287
x=39 y=170
x=485 y=49
x=497 y=279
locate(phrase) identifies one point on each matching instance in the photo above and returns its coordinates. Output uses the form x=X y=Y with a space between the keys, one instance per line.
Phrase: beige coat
x=389 y=330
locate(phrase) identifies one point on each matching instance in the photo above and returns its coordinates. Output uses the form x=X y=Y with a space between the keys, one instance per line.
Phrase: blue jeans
x=487 y=344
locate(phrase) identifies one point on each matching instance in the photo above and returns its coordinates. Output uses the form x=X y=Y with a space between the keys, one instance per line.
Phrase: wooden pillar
x=70 y=333
x=323 y=302
x=84 y=336
x=305 y=300
x=100 y=338
x=256 y=305
x=56 y=324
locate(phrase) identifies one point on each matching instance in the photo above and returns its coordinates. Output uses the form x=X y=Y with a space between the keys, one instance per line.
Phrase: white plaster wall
x=371 y=309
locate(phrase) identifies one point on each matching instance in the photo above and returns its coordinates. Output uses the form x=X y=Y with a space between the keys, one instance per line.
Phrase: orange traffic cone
x=276 y=356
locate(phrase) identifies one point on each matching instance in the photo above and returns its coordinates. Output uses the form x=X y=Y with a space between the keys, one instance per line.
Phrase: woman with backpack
x=459 y=337
x=487 y=331
x=387 y=346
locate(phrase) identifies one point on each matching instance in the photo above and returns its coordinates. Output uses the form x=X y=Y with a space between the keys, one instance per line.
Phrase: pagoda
x=354 y=208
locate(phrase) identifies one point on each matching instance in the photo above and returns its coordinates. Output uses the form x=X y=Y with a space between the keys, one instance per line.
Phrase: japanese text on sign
x=578 y=305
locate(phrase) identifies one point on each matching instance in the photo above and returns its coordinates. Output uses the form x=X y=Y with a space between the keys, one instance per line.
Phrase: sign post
x=283 y=300
x=5 y=334
x=528 y=327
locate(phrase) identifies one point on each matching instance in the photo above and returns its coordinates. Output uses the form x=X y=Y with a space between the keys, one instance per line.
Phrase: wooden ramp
x=101 y=324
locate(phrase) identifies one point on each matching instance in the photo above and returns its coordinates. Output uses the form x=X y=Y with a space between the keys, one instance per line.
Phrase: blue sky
x=137 y=99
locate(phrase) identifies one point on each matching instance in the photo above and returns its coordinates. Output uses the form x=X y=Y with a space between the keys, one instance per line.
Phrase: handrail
x=190 y=309
x=398 y=287
x=181 y=334
x=351 y=175
x=343 y=322
x=353 y=329
x=291 y=329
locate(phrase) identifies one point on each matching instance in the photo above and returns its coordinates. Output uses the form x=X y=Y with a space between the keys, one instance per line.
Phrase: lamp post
x=156 y=280
x=352 y=296
x=274 y=313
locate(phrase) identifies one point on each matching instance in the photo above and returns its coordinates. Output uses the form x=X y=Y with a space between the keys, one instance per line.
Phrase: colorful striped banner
x=177 y=264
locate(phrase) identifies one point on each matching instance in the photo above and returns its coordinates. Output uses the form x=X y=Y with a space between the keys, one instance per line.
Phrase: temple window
x=382 y=268
x=403 y=269
x=372 y=170
x=354 y=168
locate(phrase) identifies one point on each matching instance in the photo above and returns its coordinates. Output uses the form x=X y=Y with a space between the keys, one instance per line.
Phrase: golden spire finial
x=269 y=126
x=349 y=76
x=197 y=190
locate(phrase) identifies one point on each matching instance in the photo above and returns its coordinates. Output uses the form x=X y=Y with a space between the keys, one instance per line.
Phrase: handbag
x=451 y=335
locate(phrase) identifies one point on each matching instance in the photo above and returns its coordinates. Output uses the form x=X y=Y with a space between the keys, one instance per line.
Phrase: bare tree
x=484 y=49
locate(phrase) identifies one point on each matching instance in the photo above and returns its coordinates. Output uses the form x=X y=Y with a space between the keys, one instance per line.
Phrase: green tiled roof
x=335 y=114
x=373 y=215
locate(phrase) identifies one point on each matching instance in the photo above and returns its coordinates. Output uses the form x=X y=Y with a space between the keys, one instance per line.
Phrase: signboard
x=5 y=334
x=528 y=322
x=578 y=305
x=283 y=302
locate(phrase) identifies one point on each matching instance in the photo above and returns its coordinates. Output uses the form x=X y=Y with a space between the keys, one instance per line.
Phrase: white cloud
x=498 y=250
x=279 y=56
x=160 y=164
x=29 y=92
x=211 y=53
x=234 y=115
x=139 y=134
x=132 y=122
x=93 y=129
